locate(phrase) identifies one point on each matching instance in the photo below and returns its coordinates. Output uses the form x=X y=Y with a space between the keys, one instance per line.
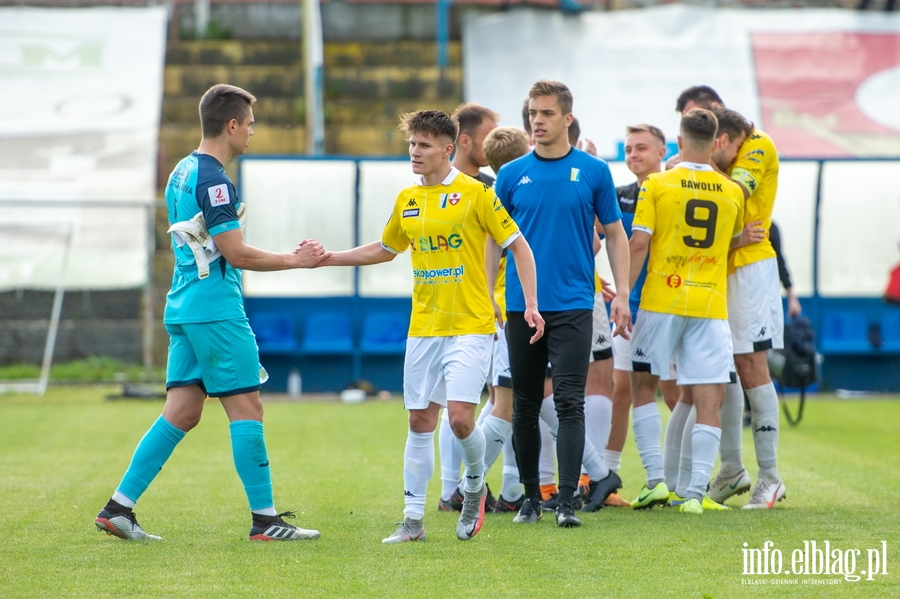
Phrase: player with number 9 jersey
x=691 y=213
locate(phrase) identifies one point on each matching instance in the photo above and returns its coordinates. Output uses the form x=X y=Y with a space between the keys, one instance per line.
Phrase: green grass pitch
x=339 y=466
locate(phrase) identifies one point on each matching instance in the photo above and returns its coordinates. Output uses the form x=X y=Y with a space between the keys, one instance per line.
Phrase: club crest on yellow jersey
x=451 y=198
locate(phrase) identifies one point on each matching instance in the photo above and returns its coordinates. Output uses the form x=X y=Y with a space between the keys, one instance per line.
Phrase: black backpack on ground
x=795 y=365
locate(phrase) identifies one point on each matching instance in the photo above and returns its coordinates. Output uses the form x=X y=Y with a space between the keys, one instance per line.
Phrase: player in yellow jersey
x=645 y=146
x=755 y=312
x=687 y=218
x=445 y=219
x=474 y=122
x=756 y=317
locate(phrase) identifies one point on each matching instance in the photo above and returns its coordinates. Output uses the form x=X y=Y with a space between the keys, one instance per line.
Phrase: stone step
x=290 y=53
x=288 y=111
x=281 y=111
x=349 y=140
x=398 y=53
x=234 y=52
x=179 y=140
x=401 y=82
x=378 y=112
x=262 y=81
x=365 y=140
x=367 y=85
x=393 y=82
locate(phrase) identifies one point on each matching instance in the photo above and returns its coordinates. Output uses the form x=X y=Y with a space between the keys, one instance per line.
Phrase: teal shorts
x=221 y=357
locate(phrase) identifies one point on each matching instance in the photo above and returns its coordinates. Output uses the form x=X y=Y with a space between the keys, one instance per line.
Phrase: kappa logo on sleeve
x=218 y=195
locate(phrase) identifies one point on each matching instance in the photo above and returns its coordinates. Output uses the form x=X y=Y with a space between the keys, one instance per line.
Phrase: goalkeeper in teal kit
x=212 y=350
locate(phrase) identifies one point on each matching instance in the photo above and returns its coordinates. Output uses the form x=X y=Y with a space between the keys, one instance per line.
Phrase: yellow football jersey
x=446 y=227
x=691 y=213
x=500 y=286
x=756 y=168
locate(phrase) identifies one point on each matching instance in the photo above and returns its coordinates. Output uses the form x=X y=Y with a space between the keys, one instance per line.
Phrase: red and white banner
x=822 y=82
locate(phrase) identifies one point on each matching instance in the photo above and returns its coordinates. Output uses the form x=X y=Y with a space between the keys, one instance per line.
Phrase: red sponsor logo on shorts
x=673 y=281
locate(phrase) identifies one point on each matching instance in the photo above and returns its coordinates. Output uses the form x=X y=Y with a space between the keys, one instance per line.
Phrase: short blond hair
x=503 y=145
x=643 y=127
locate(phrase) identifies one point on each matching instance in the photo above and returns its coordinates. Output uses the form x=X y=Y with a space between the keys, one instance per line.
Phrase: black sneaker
x=530 y=512
x=549 y=504
x=565 y=516
x=490 y=501
x=122 y=524
x=504 y=505
x=454 y=504
x=274 y=528
x=599 y=490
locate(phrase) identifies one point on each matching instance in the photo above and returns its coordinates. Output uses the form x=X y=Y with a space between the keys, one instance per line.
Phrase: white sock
x=764 y=410
x=549 y=424
x=672 y=453
x=418 y=466
x=547 y=465
x=266 y=511
x=732 y=416
x=597 y=420
x=496 y=430
x=472 y=450
x=593 y=463
x=485 y=412
x=122 y=500
x=647 y=426
x=705 y=442
x=613 y=459
x=512 y=487
x=591 y=460
x=685 y=465
x=450 y=458
x=548 y=415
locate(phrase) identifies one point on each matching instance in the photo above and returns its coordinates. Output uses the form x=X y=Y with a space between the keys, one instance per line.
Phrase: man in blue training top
x=212 y=350
x=556 y=194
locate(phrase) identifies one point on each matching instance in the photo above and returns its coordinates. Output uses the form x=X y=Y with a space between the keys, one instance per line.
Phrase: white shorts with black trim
x=500 y=375
x=442 y=369
x=621 y=353
x=601 y=344
x=754 y=307
x=701 y=348
x=622 y=358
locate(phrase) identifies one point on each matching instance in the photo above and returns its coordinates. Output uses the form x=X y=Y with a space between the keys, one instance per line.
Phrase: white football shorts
x=601 y=341
x=701 y=348
x=622 y=357
x=754 y=307
x=500 y=375
x=442 y=369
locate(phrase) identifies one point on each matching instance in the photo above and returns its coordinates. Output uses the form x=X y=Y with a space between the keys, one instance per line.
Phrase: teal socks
x=248 y=446
x=149 y=457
